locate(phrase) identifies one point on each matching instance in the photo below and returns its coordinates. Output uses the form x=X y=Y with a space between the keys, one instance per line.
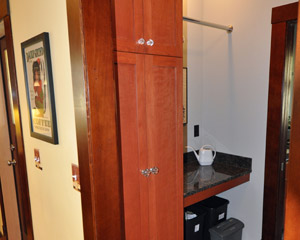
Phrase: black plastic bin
x=193 y=224
x=230 y=229
x=216 y=212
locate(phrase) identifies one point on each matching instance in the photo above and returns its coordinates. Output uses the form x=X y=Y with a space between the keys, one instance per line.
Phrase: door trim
x=273 y=188
x=285 y=13
x=96 y=118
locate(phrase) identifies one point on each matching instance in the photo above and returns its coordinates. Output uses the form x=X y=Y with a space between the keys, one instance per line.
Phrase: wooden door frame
x=96 y=117
x=274 y=193
x=20 y=168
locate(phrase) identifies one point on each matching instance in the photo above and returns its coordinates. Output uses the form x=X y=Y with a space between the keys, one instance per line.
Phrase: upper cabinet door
x=163 y=27
x=129 y=29
x=149 y=26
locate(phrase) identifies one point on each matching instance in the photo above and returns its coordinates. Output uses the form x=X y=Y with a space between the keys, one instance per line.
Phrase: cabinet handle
x=146 y=172
x=150 y=42
x=11 y=162
x=154 y=170
x=141 y=41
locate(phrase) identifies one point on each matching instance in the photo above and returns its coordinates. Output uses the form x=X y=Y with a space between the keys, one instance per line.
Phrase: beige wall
x=56 y=207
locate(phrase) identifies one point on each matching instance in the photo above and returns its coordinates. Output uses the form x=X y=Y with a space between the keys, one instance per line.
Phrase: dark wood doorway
x=284 y=20
x=17 y=162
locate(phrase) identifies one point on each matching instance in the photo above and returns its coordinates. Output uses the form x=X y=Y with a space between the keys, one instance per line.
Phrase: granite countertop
x=226 y=167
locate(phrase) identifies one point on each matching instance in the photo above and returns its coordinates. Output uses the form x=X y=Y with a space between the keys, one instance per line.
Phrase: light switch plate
x=75 y=177
x=37 y=159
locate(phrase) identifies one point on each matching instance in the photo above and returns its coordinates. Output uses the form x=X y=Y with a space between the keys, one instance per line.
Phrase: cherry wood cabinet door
x=163 y=80
x=131 y=88
x=129 y=28
x=150 y=106
x=163 y=25
x=149 y=26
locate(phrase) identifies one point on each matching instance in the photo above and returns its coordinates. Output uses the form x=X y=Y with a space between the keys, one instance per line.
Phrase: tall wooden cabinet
x=149 y=85
x=129 y=129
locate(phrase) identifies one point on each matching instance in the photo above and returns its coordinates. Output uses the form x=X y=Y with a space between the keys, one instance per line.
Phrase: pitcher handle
x=212 y=148
x=190 y=147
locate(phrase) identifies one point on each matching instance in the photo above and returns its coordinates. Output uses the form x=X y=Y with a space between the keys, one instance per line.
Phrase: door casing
x=274 y=186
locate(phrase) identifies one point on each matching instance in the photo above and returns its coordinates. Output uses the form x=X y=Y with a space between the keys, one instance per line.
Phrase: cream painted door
x=7 y=173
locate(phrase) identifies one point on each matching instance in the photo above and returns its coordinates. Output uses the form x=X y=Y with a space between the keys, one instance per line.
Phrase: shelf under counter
x=201 y=182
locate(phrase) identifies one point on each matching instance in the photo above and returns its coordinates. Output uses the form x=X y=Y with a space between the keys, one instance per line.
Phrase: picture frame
x=39 y=88
x=185 y=96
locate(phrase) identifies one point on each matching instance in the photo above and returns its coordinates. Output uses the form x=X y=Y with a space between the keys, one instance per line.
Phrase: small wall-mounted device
x=196 y=130
x=37 y=159
x=75 y=177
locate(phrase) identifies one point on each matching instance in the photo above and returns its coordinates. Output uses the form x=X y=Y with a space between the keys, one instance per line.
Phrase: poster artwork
x=38 y=89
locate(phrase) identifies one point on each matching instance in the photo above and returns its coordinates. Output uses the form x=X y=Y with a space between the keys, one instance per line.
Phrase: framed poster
x=39 y=87
x=185 y=95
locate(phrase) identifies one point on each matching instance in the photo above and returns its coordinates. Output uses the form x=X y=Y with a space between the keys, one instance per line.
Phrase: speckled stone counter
x=226 y=167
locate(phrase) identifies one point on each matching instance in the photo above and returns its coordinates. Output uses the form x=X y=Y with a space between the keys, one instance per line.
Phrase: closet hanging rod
x=228 y=28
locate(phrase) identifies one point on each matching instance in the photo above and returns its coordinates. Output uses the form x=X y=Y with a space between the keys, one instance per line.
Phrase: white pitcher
x=206 y=155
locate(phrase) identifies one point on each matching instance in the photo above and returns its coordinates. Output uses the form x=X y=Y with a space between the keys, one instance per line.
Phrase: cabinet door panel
x=163 y=24
x=130 y=69
x=150 y=103
x=163 y=79
x=128 y=23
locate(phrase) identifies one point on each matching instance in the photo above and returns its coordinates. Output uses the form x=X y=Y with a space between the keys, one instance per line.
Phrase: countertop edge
x=216 y=189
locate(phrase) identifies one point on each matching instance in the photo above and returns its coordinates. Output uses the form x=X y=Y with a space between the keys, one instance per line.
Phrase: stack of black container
x=206 y=220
